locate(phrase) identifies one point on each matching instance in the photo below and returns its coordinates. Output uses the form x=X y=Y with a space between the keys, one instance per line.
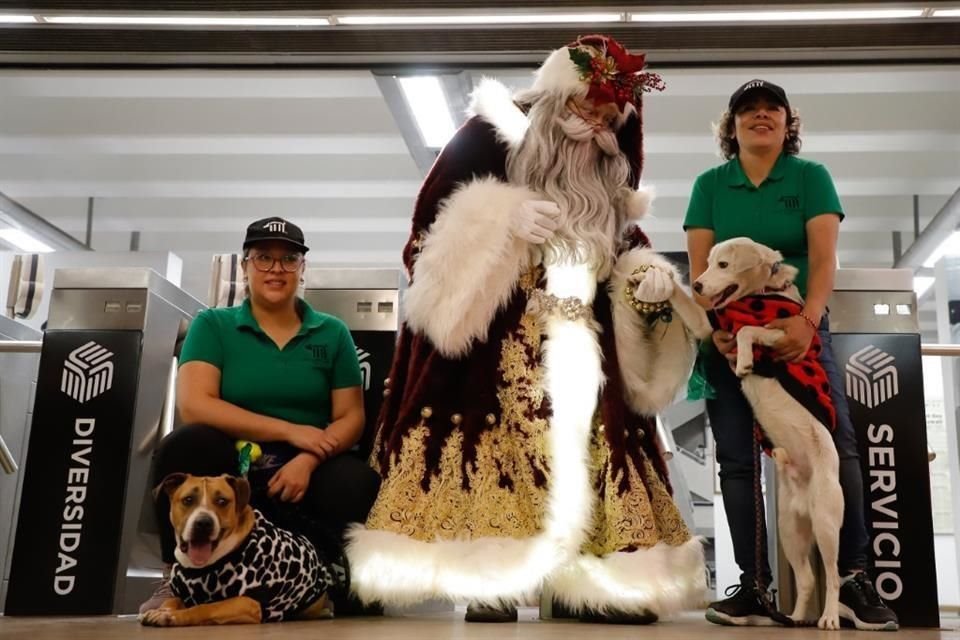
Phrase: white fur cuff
x=468 y=267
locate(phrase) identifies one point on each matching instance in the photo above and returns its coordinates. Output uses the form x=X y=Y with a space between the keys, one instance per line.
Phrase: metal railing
x=20 y=346
x=7 y=462
x=940 y=349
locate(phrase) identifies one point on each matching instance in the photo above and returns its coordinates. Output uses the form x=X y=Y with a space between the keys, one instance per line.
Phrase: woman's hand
x=796 y=341
x=726 y=344
x=313 y=440
x=290 y=482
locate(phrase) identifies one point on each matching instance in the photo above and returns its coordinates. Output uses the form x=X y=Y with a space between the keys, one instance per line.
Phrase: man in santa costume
x=517 y=441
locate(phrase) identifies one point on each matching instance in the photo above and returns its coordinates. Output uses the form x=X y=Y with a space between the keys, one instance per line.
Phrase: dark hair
x=729 y=147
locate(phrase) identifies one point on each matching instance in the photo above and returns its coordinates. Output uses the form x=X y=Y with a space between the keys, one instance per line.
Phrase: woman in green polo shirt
x=767 y=193
x=275 y=372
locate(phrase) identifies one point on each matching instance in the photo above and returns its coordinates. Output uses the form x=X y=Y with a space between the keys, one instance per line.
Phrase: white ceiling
x=189 y=157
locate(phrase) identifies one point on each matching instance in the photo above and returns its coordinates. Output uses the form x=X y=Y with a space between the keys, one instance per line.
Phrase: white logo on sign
x=276 y=227
x=87 y=372
x=366 y=371
x=872 y=378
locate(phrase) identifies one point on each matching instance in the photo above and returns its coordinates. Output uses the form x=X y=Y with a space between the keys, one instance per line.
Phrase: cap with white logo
x=757 y=85
x=275 y=229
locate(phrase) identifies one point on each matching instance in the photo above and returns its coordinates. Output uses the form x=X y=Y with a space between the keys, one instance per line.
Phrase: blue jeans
x=732 y=422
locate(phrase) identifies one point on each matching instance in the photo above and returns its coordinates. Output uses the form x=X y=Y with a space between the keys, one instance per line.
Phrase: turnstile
x=876 y=343
x=100 y=396
x=18 y=375
x=28 y=297
x=876 y=339
x=368 y=301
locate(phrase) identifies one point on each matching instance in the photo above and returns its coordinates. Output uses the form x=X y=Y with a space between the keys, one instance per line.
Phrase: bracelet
x=809 y=320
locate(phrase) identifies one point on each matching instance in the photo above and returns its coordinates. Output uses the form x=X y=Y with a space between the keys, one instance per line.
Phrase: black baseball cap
x=758 y=85
x=275 y=229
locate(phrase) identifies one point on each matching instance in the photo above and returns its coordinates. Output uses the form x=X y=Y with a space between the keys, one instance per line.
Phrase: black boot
x=483 y=613
x=618 y=616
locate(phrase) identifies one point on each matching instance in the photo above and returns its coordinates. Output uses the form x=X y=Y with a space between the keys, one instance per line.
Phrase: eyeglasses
x=264 y=262
x=589 y=115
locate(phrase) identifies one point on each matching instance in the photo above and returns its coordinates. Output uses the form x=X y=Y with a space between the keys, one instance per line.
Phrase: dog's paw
x=652 y=284
x=829 y=622
x=157 y=618
x=743 y=369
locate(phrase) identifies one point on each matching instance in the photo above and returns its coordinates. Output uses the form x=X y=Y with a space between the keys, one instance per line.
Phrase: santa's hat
x=600 y=68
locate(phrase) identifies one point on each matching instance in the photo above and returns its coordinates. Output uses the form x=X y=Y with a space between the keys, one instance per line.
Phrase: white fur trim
x=654 y=364
x=663 y=579
x=491 y=100
x=396 y=570
x=559 y=75
x=468 y=266
x=639 y=202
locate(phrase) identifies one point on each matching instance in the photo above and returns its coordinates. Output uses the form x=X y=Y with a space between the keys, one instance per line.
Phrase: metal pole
x=936 y=231
x=916 y=216
x=20 y=346
x=940 y=349
x=89 y=223
x=7 y=463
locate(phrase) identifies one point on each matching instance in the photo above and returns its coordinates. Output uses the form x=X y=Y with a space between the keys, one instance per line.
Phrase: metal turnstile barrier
x=101 y=391
x=19 y=359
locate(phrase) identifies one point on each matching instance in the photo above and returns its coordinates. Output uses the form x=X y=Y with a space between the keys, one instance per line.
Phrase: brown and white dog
x=233 y=566
x=809 y=497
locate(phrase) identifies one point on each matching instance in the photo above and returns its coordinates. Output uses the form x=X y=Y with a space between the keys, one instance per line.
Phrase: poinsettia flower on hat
x=614 y=75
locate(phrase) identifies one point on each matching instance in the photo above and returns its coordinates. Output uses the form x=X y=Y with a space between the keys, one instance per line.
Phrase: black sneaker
x=861 y=606
x=743 y=607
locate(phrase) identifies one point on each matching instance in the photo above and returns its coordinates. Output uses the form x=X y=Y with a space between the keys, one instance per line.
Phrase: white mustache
x=576 y=128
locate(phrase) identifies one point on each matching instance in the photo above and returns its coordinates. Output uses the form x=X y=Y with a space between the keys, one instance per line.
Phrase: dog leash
x=766 y=597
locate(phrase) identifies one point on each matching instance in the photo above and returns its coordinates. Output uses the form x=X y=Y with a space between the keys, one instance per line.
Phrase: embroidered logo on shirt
x=790 y=202
x=319 y=351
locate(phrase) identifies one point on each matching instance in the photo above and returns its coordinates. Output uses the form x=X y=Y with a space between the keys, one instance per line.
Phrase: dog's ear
x=782 y=274
x=169 y=484
x=241 y=488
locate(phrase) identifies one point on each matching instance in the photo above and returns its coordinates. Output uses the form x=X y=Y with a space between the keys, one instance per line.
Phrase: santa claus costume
x=517 y=441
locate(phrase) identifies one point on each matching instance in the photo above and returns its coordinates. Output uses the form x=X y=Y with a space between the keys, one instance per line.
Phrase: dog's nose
x=698 y=287
x=202 y=529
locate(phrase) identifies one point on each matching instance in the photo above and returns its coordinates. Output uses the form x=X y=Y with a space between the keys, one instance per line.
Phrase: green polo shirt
x=293 y=383
x=774 y=213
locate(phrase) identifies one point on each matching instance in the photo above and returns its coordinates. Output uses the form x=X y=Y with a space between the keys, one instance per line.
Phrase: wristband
x=809 y=320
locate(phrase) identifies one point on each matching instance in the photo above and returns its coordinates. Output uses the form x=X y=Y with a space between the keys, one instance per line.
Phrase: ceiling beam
x=913 y=40
x=381 y=6
x=36 y=226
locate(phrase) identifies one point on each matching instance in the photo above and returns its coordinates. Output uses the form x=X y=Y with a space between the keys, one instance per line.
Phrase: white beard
x=563 y=158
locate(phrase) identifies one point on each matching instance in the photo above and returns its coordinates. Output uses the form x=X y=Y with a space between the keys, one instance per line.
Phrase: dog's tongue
x=200 y=552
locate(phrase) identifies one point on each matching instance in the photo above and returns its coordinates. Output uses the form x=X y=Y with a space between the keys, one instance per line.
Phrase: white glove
x=534 y=221
x=652 y=285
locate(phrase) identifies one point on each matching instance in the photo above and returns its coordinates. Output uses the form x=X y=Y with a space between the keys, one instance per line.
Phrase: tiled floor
x=446 y=625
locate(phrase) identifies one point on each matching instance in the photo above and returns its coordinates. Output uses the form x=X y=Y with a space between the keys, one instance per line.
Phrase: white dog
x=809 y=495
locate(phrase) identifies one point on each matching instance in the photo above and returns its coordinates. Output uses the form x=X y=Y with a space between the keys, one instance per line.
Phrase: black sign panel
x=68 y=534
x=884 y=386
x=375 y=351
